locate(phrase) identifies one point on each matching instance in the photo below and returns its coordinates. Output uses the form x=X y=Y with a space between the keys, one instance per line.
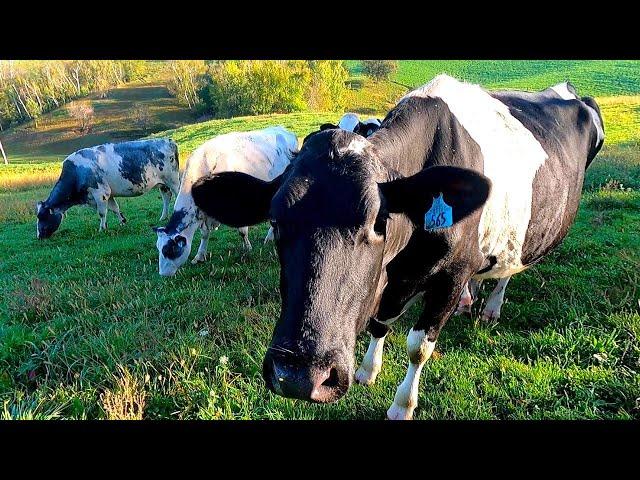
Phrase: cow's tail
x=591 y=103
x=174 y=147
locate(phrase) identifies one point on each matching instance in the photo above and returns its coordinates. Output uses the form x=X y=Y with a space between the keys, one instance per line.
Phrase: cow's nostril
x=332 y=379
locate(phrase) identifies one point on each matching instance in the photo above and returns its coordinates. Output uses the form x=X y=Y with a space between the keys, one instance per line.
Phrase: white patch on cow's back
x=357 y=145
x=512 y=156
x=349 y=121
x=563 y=90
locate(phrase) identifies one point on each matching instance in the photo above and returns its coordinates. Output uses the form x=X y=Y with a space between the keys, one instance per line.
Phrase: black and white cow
x=263 y=154
x=96 y=175
x=351 y=123
x=458 y=183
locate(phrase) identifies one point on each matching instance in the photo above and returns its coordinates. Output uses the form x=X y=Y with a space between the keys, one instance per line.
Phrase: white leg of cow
x=244 y=233
x=201 y=254
x=494 y=303
x=115 y=208
x=371 y=363
x=419 y=349
x=269 y=237
x=166 y=201
x=102 y=212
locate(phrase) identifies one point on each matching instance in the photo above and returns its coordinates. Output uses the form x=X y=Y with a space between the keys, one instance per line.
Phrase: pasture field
x=88 y=329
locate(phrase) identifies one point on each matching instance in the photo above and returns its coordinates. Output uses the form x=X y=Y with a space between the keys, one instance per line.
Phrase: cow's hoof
x=490 y=316
x=396 y=412
x=123 y=221
x=198 y=259
x=366 y=377
x=463 y=310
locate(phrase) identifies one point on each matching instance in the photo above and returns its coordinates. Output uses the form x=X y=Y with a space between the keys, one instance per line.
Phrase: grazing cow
x=351 y=123
x=261 y=153
x=458 y=183
x=96 y=175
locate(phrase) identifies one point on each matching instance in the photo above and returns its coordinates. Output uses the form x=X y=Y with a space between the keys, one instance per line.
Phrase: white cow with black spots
x=263 y=154
x=96 y=175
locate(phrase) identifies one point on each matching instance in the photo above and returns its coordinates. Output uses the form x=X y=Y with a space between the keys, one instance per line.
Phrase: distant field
x=87 y=325
x=592 y=77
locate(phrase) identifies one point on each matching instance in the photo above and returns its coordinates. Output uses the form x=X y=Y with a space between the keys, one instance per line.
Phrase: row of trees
x=30 y=88
x=253 y=87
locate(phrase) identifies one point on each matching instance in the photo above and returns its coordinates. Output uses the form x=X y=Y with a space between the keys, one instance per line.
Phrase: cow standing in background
x=96 y=175
x=263 y=154
x=351 y=123
x=458 y=183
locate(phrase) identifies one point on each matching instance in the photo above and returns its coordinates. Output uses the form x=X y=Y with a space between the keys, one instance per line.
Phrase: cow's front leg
x=372 y=361
x=166 y=201
x=443 y=295
x=206 y=228
x=396 y=299
x=491 y=311
x=101 y=200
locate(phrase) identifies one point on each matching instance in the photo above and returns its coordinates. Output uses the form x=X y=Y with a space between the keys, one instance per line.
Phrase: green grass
x=592 y=77
x=87 y=324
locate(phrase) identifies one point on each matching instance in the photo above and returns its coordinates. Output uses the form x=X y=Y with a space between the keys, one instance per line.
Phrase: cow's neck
x=62 y=197
x=185 y=218
x=405 y=149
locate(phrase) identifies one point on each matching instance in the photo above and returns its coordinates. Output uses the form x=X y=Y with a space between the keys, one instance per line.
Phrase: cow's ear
x=235 y=199
x=327 y=126
x=38 y=207
x=454 y=192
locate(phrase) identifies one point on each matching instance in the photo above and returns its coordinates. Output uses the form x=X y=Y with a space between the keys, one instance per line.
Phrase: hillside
x=57 y=133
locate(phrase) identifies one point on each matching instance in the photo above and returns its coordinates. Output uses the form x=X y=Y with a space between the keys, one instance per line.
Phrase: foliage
x=255 y=87
x=186 y=79
x=82 y=112
x=141 y=116
x=379 y=69
x=30 y=88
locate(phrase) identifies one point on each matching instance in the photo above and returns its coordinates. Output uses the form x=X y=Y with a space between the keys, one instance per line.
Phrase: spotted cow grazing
x=96 y=175
x=263 y=154
x=457 y=184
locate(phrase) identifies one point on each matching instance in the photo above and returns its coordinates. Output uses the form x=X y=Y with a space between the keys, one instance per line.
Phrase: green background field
x=87 y=324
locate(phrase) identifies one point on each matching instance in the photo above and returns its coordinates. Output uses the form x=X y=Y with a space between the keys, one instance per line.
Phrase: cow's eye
x=380 y=226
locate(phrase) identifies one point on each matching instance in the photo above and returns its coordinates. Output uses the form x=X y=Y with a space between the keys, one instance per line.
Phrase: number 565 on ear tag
x=440 y=215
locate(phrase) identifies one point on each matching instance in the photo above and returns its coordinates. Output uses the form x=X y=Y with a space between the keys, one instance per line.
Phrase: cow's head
x=174 y=242
x=173 y=251
x=331 y=212
x=49 y=220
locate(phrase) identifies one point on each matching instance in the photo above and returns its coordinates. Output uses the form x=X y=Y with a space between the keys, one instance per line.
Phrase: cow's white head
x=173 y=251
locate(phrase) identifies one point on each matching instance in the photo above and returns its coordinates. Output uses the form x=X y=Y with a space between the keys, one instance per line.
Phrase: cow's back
x=535 y=156
x=569 y=134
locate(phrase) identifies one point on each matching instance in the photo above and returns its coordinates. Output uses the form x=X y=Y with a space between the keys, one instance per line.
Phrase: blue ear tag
x=440 y=215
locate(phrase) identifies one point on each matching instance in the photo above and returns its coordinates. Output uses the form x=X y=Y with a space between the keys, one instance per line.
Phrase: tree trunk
x=6 y=162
